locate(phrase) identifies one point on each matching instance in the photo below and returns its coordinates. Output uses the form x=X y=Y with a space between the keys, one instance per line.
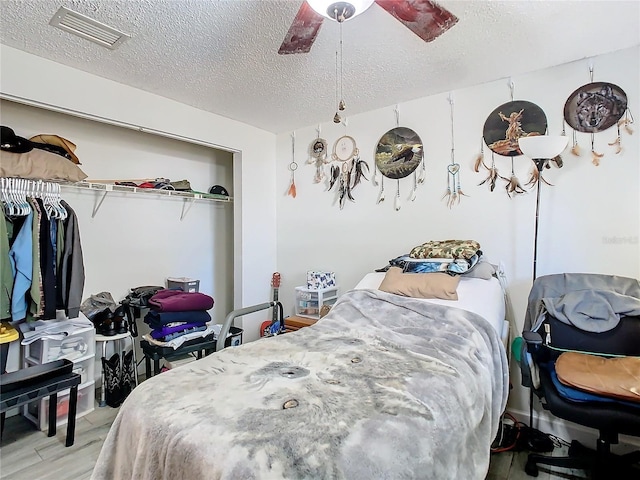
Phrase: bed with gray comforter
x=384 y=387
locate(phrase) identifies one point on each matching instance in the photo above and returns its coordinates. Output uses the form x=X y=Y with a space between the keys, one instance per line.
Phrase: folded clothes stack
x=178 y=316
x=455 y=257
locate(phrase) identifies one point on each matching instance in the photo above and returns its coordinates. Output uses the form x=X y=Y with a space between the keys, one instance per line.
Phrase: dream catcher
x=454 y=192
x=596 y=107
x=502 y=129
x=351 y=170
x=399 y=154
x=293 y=166
x=318 y=157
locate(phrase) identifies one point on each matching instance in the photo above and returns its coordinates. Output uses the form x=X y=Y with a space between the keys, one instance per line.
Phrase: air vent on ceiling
x=85 y=27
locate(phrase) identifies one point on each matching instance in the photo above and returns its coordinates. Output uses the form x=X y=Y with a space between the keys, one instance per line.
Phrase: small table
x=293 y=323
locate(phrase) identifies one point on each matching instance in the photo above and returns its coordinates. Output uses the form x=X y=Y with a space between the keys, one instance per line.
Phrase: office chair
x=546 y=338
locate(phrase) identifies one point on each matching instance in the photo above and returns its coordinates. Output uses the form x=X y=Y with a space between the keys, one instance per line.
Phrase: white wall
x=589 y=219
x=37 y=79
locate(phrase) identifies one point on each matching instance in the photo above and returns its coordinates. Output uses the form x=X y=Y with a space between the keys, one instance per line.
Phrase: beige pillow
x=39 y=165
x=420 y=285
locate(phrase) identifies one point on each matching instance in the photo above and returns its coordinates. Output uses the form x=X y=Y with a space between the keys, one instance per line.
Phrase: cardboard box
x=319 y=280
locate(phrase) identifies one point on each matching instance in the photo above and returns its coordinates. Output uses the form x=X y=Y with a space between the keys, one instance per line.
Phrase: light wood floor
x=28 y=454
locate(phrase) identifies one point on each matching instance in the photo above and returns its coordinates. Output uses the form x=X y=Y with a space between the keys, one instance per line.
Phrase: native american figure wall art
x=502 y=129
x=398 y=154
x=596 y=107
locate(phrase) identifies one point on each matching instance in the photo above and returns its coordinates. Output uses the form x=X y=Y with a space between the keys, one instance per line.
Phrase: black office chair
x=545 y=339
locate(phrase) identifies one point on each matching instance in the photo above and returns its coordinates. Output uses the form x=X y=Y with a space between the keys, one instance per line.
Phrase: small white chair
x=120 y=346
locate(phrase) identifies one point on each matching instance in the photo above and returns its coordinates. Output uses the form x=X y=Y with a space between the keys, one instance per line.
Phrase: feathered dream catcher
x=502 y=129
x=596 y=107
x=454 y=193
x=293 y=166
x=350 y=170
x=399 y=153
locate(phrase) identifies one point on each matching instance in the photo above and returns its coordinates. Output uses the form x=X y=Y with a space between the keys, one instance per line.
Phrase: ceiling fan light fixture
x=340 y=10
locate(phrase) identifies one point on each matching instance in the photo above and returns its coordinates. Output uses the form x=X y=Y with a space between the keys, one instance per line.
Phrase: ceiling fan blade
x=302 y=32
x=423 y=17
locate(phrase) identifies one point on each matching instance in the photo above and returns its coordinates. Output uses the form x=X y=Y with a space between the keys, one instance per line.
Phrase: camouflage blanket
x=382 y=387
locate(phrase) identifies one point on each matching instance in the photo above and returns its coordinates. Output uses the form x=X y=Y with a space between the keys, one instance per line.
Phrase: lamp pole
x=539 y=162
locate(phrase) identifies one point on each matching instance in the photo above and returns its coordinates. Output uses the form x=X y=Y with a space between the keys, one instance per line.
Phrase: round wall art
x=594 y=107
x=399 y=152
x=511 y=121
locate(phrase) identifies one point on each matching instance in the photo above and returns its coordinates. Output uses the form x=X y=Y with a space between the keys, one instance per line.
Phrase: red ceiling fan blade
x=423 y=17
x=302 y=32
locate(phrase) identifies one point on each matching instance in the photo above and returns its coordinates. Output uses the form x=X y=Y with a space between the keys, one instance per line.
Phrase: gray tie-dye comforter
x=383 y=387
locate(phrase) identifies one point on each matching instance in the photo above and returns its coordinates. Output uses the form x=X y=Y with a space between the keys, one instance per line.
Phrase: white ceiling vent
x=85 y=27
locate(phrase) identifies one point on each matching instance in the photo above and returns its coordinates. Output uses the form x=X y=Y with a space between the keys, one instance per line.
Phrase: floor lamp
x=540 y=149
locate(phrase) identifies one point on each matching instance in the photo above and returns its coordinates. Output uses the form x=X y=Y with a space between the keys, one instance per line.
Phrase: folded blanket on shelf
x=176 y=328
x=177 y=342
x=181 y=333
x=160 y=319
x=179 y=301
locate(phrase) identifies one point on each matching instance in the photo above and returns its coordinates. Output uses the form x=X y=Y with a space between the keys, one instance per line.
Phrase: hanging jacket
x=21 y=260
x=47 y=266
x=6 y=276
x=71 y=272
x=36 y=306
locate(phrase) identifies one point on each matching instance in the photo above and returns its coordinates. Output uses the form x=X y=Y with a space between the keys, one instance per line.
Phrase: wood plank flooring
x=28 y=454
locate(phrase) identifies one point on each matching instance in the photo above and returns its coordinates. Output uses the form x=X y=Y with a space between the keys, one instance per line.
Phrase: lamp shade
x=542 y=146
x=327 y=8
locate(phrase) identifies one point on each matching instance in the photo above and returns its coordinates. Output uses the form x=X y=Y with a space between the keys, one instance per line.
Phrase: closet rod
x=111 y=121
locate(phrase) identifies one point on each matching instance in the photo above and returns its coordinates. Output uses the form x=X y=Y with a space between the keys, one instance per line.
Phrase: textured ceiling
x=221 y=55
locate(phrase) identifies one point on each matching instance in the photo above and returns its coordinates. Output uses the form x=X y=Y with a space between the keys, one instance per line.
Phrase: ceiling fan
x=423 y=17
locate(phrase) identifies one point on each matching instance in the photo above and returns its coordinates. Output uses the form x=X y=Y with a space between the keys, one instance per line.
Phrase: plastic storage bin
x=189 y=285
x=74 y=347
x=308 y=302
x=38 y=412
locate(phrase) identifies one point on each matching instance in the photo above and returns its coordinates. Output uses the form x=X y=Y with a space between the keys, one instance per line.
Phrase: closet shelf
x=188 y=197
x=109 y=187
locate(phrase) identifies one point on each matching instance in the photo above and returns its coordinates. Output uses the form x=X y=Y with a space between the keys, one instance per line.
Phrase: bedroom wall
x=589 y=219
x=117 y=153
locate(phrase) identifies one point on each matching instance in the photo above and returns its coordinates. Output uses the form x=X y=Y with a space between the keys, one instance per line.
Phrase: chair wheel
x=531 y=468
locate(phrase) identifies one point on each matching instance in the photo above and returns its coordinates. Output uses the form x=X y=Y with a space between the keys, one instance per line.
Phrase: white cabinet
x=70 y=339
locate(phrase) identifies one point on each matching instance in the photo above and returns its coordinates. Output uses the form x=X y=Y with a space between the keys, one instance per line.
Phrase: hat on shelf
x=56 y=144
x=11 y=142
x=219 y=190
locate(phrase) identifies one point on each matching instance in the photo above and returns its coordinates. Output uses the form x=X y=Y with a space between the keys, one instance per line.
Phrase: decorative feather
x=292 y=189
x=479 y=161
x=595 y=157
x=335 y=173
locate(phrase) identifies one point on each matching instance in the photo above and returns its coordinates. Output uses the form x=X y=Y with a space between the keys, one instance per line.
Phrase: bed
x=383 y=387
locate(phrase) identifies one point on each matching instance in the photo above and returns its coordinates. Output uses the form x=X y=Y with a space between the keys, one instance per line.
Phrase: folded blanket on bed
x=382 y=387
x=446 y=249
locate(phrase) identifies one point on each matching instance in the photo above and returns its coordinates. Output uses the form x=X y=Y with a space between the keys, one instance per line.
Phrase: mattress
x=483 y=297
